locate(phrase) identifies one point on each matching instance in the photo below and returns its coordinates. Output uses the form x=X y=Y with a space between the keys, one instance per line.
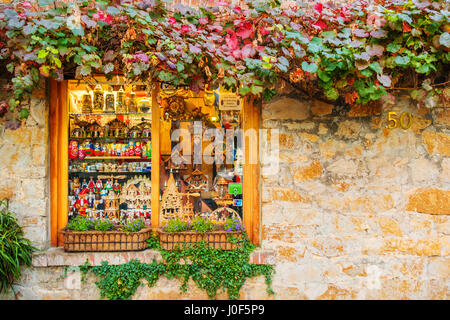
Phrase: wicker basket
x=216 y=239
x=88 y=241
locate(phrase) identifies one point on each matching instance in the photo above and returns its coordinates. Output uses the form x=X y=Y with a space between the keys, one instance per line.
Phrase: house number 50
x=405 y=120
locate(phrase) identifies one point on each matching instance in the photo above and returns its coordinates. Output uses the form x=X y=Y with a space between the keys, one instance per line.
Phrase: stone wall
x=356 y=211
x=24 y=169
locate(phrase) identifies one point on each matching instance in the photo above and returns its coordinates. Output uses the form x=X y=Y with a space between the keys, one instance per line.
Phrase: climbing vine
x=212 y=270
x=355 y=52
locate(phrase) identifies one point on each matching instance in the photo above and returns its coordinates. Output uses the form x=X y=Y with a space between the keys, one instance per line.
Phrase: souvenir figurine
x=108 y=185
x=76 y=186
x=84 y=184
x=137 y=149
x=103 y=193
x=116 y=187
x=87 y=148
x=131 y=150
x=91 y=200
x=73 y=149
x=91 y=185
x=144 y=151
x=98 y=186
x=98 y=150
x=81 y=204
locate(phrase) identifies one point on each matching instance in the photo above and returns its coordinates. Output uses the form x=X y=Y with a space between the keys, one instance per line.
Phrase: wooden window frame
x=59 y=161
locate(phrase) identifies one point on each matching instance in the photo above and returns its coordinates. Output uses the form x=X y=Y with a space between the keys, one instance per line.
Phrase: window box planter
x=118 y=240
x=216 y=239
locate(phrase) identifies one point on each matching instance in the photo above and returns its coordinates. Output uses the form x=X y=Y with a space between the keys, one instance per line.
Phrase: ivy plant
x=354 y=52
x=212 y=270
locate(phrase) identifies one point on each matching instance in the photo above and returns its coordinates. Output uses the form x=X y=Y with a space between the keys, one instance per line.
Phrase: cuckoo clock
x=197 y=182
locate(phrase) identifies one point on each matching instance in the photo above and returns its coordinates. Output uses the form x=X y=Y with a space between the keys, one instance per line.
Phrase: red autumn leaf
x=350 y=97
x=351 y=81
x=245 y=30
x=318 y=7
x=406 y=27
x=320 y=25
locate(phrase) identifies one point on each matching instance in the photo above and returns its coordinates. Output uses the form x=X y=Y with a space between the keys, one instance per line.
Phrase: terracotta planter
x=88 y=241
x=216 y=239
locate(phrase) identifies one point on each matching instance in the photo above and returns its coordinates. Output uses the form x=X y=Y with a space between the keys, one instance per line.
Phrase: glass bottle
x=121 y=106
x=98 y=99
x=86 y=103
x=132 y=105
x=109 y=102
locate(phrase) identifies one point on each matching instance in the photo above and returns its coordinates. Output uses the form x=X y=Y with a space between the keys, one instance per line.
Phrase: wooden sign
x=229 y=100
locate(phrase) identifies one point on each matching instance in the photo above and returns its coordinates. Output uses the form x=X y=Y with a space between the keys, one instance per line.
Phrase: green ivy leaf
x=393 y=47
x=332 y=93
x=402 y=61
x=309 y=67
x=444 y=39
x=324 y=76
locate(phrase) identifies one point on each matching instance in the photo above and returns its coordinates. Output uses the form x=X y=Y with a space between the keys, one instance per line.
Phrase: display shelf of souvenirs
x=86 y=149
x=101 y=167
x=107 y=100
x=113 y=129
x=108 y=198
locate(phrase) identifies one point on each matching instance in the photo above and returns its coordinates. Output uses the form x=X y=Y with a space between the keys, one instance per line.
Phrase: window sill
x=57 y=257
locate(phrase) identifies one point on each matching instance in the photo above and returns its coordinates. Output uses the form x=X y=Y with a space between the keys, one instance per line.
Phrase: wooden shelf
x=111 y=114
x=113 y=158
x=111 y=138
x=108 y=172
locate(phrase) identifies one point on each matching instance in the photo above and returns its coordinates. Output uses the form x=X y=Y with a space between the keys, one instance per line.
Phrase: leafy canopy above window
x=355 y=52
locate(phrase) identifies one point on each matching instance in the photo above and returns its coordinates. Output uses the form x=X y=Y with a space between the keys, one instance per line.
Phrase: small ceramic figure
x=84 y=184
x=76 y=186
x=116 y=187
x=73 y=149
x=98 y=150
x=82 y=204
x=91 y=185
x=98 y=186
x=108 y=186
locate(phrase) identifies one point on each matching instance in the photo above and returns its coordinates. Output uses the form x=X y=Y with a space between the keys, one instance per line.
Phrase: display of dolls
x=98 y=186
x=73 y=149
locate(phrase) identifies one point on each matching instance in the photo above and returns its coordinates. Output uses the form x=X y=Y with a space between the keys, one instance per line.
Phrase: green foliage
x=202 y=225
x=15 y=249
x=80 y=223
x=212 y=270
x=176 y=225
x=135 y=225
x=103 y=225
x=351 y=50
x=233 y=225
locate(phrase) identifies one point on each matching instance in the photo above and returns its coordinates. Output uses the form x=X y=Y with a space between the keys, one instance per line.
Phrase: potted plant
x=176 y=233
x=88 y=234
